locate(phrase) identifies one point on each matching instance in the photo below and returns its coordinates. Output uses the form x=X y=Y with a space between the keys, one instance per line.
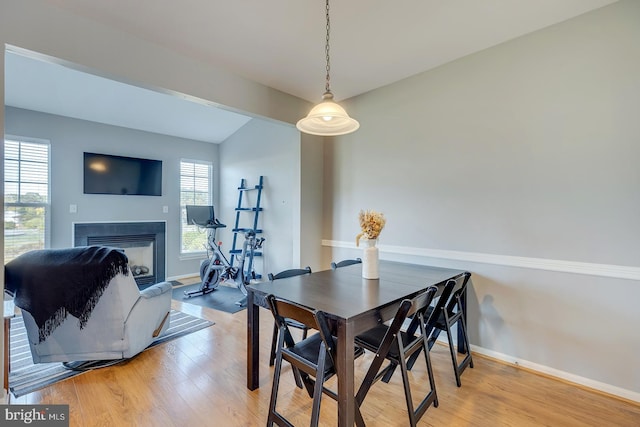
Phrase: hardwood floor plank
x=199 y=380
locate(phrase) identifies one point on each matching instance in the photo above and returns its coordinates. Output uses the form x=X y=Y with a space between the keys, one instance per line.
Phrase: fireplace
x=142 y=242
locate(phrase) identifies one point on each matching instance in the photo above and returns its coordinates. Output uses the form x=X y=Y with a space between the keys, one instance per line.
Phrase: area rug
x=224 y=298
x=25 y=377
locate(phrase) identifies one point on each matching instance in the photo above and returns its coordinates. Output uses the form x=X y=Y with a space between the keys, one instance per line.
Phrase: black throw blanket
x=52 y=283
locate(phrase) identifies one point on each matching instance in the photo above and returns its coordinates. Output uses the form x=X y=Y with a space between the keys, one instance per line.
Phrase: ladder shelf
x=247 y=216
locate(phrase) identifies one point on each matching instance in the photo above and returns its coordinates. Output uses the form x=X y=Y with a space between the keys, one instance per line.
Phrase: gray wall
x=71 y=137
x=520 y=164
x=272 y=150
x=311 y=202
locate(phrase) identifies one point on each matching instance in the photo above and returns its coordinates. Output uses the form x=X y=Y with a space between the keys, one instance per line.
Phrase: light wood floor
x=199 y=380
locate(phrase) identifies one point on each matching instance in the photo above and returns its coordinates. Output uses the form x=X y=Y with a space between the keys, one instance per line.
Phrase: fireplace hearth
x=142 y=242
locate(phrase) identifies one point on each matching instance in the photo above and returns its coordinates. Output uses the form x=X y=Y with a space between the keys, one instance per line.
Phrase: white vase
x=369 y=259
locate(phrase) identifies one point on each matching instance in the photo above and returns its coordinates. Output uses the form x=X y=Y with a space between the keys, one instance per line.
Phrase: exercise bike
x=216 y=268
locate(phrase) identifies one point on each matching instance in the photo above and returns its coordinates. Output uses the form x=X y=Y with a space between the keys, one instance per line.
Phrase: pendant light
x=327 y=118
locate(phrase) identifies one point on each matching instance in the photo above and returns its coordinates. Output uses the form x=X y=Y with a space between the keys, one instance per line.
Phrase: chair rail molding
x=575 y=267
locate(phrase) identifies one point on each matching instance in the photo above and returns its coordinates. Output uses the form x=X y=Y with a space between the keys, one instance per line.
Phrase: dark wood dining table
x=355 y=304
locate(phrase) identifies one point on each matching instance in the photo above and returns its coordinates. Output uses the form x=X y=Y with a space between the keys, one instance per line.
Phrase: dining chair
x=437 y=304
x=345 y=263
x=390 y=343
x=314 y=356
x=448 y=315
x=291 y=323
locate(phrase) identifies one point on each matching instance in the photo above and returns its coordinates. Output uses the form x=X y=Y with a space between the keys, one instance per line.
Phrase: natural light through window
x=26 y=196
x=195 y=189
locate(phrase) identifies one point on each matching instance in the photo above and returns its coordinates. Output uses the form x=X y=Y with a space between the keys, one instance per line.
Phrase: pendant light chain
x=327 y=87
x=327 y=118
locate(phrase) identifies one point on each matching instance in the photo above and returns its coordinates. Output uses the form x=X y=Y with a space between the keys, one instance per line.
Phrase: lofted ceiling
x=279 y=43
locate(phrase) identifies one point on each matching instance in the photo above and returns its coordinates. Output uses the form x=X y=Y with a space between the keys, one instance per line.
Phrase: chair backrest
x=289 y=273
x=456 y=293
x=420 y=303
x=283 y=310
x=345 y=263
x=441 y=297
x=416 y=307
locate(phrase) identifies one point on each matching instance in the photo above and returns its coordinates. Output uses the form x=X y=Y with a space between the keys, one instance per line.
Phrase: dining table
x=353 y=303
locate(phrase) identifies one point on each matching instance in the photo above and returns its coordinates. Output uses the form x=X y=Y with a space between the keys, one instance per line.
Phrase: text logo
x=34 y=415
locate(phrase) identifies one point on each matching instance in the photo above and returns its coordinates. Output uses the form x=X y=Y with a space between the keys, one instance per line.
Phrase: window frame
x=46 y=205
x=193 y=254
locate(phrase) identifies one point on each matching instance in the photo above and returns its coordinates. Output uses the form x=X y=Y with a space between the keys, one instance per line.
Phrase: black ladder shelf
x=241 y=218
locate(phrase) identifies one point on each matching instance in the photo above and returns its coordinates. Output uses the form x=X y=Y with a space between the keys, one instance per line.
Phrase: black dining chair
x=291 y=323
x=437 y=305
x=448 y=315
x=345 y=262
x=390 y=343
x=313 y=357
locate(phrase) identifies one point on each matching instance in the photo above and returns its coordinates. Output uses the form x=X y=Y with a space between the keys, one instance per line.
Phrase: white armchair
x=121 y=320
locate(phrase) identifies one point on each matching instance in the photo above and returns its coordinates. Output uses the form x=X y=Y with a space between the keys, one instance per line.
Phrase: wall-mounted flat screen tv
x=107 y=174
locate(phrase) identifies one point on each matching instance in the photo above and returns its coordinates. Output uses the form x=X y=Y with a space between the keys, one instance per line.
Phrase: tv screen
x=107 y=174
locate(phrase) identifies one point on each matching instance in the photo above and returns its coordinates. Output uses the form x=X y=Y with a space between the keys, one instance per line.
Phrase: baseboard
x=549 y=372
x=597 y=386
x=593 y=269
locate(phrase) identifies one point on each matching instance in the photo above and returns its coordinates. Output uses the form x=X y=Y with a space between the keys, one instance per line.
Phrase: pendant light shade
x=327 y=118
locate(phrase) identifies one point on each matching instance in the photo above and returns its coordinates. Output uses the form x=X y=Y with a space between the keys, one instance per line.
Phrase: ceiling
x=279 y=43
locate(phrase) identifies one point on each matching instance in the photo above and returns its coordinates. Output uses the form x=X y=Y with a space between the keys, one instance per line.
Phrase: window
x=26 y=196
x=195 y=189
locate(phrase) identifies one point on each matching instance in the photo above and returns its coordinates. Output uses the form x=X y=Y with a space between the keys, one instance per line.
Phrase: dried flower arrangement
x=371 y=223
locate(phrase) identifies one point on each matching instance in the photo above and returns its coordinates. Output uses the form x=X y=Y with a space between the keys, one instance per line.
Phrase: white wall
x=520 y=164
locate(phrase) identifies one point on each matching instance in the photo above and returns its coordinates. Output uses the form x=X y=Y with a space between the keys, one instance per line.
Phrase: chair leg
x=434 y=336
x=430 y=398
x=273 y=415
x=389 y=373
x=467 y=361
x=452 y=350
x=272 y=356
x=317 y=390
x=369 y=379
x=358 y=417
x=432 y=340
x=407 y=393
x=297 y=377
x=274 y=340
x=458 y=368
x=412 y=359
x=433 y=394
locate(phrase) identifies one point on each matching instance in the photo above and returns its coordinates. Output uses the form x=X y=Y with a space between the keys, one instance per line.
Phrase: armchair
x=82 y=304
